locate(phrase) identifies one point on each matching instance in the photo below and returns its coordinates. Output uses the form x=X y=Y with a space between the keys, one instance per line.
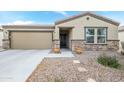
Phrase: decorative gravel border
x=81 y=68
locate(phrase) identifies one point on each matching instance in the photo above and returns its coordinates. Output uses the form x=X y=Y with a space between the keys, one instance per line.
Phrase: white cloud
x=61 y=12
x=20 y=22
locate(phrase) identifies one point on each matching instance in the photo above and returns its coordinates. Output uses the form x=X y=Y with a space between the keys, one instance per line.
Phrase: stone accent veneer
x=6 y=43
x=111 y=45
x=77 y=43
x=95 y=47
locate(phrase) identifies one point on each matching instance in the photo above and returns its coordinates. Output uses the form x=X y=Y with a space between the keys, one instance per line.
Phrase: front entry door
x=63 y=39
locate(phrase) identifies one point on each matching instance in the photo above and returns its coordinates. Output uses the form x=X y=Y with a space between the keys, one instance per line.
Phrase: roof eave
x=28 y=26
x=87 y=13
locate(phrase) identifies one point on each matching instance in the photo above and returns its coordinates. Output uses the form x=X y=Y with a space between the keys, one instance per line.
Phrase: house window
x=101 y=35
x=96 y=35
x=90 y=35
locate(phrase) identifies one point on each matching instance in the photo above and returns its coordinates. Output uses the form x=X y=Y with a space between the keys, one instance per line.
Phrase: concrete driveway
x=17 y=65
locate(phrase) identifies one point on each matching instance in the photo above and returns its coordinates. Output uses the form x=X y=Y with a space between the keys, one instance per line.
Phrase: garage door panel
x=31 y=40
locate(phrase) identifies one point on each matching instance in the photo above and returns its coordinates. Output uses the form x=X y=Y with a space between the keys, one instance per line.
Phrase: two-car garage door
x=31 y=40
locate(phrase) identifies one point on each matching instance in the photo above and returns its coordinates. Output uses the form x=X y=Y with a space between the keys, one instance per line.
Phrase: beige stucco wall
x=70 y=38
x=80 y=23
x=1 y=37
x=121 y=38
x=5 y=34
x=56 y=33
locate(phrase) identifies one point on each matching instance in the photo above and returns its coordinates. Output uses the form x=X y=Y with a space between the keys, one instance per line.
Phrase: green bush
x=109 y=61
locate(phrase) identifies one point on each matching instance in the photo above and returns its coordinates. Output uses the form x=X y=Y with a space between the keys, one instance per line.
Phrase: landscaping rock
x=80 y=68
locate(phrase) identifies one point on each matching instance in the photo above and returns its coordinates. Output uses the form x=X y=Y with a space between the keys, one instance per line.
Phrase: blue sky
x=49 y=17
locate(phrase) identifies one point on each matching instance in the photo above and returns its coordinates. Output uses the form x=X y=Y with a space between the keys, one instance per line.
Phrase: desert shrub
x=109 y=61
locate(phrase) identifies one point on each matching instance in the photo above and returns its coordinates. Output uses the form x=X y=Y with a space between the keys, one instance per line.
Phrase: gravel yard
x=81 y=68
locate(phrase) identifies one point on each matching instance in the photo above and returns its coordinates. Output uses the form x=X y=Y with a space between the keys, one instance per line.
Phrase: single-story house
x=86 y=30
x=1 y=37
x=121 y=36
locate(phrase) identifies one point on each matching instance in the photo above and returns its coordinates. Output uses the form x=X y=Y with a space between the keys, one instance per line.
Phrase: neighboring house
x=121 y=36
x=87 y=30
x=1 y=37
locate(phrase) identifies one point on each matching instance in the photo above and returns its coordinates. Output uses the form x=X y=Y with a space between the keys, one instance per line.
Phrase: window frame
x=90 y=35
x=96 y=35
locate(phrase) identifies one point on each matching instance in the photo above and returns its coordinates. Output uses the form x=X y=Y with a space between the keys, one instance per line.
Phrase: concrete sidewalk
x=2 y=49
x=64 y=53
